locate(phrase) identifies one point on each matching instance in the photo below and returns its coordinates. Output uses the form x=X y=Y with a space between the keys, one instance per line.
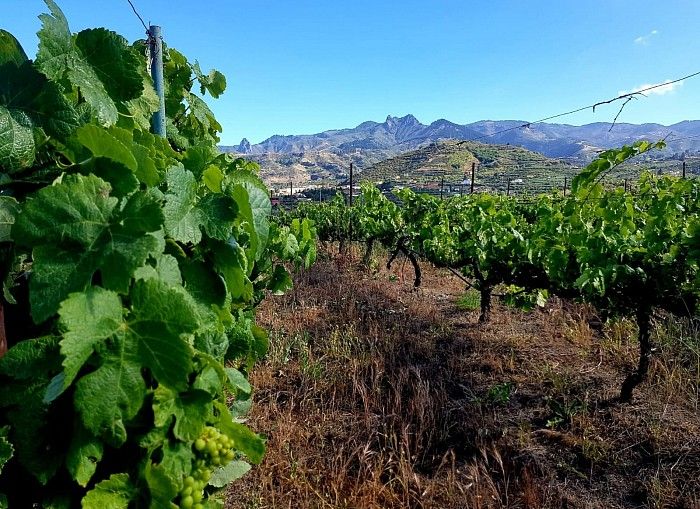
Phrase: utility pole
x=291 y=189
x=565 y=182
x=155 y=55
x=683 y=169
x=442 y=185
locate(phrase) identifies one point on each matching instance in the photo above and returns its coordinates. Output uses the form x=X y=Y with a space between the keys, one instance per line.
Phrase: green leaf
x=83 y=455
x=191 y=411
x=238 y=381
x=89 y=318
x=229 y=473
x=217 y=216
x=166 y=269
x=6 y=451
x=213 y=177
x=280 y=281
x=76 y=230
x=182 y=218
x=107 y=143
x=17 y=149
x=113 y=61
x=63 y=63
x=11 y=50
x=113 y=493
x=8 y=211
x=30 y=357
x=245 y=440
x=111 y=395
x=163 y=486
x=161 y=319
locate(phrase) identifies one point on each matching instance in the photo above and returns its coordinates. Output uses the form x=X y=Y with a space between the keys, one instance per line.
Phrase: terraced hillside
x=495 y=166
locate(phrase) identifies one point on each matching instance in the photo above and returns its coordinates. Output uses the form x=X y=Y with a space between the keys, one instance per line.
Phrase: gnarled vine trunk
x=367 y=259
x=645 y=351
x=485 y=303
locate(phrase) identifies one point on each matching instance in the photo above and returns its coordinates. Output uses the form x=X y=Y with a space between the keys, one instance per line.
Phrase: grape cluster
x=212 y=450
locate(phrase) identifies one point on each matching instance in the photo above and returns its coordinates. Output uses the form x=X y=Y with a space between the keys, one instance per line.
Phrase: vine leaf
x=84 y=453
x=88 y=318
x=113 y=493
x=112 y=394
x=17 y=149
x=191 y=411
x=76 y=229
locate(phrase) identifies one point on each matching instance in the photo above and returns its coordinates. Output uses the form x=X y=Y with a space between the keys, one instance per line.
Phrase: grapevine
x=131 y=268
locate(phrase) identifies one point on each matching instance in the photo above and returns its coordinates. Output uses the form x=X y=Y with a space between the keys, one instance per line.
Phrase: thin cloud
x=645 y=39
x=666 y=87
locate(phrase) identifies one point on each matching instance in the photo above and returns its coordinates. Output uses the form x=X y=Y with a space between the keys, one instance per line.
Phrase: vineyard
x=625 y=253
x=147 y=280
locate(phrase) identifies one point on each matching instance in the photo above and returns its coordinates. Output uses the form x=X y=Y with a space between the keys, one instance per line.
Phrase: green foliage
x=627 y=254
x=131 y=269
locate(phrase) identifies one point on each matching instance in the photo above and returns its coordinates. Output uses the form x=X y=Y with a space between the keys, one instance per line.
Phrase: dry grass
x=374 y=395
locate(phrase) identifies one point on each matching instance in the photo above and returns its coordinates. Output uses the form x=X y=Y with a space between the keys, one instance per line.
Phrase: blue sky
x=305 y=66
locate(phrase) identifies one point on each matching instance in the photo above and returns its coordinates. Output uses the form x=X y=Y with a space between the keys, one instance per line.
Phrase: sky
x=305 y=66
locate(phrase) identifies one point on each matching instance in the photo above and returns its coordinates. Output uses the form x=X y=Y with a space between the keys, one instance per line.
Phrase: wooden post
x=291 y=189
x=625 y=185
x=565 y=182
x=471 y=189
x=442 y=185
x=683 y=169
x=351 y=184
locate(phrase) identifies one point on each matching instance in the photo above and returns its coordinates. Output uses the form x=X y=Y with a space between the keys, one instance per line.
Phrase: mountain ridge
x=326 y=155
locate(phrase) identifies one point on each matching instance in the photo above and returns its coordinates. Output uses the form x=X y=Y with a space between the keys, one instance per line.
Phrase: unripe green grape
x=186 y=491
x=187 y=502
x=199 y=444
x=197 y=497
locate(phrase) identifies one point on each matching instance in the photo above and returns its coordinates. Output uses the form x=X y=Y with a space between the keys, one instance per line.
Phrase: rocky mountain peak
x=244 y=146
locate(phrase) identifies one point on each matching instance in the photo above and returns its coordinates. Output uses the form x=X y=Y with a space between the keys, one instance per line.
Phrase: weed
x=470 y=300
x=499 y=394
x=563 y=411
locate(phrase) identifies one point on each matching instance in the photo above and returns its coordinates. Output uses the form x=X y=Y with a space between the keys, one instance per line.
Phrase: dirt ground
x=378 y=395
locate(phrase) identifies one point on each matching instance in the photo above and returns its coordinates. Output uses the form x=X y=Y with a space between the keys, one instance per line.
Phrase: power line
x=138 y=15
x=627 y=97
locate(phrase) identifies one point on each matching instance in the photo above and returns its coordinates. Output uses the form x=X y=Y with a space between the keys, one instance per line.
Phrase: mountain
x=327 y=155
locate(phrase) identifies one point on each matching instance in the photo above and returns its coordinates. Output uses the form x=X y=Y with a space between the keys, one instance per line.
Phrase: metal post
x=683 y=169
x=442 y=185
x=565 y=182
x=155 y=50
x=291 y=189
x=351 y=184
x=625 y=185
x=508 y=189
x=471 y=189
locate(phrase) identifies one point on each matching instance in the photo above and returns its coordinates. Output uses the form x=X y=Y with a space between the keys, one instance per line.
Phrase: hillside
x=495 y=165
x=328 y=154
